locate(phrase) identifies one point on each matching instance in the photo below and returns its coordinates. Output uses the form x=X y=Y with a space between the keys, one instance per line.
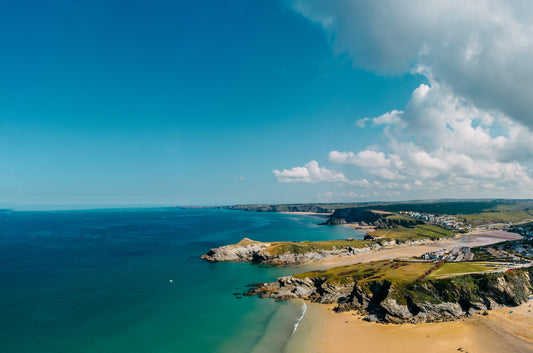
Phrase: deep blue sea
x=100 y=281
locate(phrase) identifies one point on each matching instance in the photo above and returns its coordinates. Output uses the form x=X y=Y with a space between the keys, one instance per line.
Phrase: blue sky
x=198 y=102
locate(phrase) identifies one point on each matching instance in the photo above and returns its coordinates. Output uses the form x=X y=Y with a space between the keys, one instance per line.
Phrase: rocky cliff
x=417 y=301
x=370 y=217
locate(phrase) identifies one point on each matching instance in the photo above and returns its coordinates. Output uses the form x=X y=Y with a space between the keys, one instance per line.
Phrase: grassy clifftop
x=400 y=291
x=395 y=271
x=419 y=232
x=291 y=253
x=301 y=247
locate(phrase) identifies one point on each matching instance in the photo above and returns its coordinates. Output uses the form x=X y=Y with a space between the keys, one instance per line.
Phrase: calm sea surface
x=99 y=281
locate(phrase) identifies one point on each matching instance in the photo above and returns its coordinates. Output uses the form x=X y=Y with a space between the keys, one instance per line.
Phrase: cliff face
x=401 y=302
x=245 y=251
x=369 y=217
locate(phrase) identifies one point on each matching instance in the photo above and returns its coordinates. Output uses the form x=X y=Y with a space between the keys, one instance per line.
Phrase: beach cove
x=502 y=330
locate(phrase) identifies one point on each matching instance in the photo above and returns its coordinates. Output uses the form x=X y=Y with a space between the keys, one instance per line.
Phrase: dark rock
x=432 y=300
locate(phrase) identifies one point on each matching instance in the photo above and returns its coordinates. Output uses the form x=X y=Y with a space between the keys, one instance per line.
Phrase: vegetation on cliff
x=288 y=253
x=371 y=271
x=474 y=212
x=418 y=232
x=301 y=247
x=291 y=253
x=399 y=291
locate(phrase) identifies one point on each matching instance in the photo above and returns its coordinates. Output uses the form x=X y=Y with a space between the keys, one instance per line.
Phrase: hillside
x=398 y=291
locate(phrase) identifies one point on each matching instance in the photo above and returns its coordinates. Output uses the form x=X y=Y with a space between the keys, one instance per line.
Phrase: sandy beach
x=471 y=240
x=329 y=332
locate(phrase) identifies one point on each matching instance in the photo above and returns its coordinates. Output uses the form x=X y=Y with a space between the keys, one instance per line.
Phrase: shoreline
x=324 y=331
x=316 y=214
x=360 y=227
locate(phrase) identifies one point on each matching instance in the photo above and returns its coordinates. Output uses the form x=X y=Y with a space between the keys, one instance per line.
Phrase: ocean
x=131 y=280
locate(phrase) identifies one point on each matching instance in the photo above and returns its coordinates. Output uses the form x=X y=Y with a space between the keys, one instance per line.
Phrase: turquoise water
x=99 y=281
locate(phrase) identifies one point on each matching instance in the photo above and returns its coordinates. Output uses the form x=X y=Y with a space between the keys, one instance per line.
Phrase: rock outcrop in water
x=246 y=250
x=409 y=302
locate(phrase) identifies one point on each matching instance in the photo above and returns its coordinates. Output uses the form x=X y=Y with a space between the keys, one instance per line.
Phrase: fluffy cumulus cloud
x=309 y=173
x=376 y=163
x=445 y=142
x=467 y=130
x=393 y=117
x=482 y=49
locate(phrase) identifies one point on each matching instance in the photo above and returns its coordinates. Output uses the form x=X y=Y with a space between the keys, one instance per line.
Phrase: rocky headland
x=297 y=253
x=412 y=301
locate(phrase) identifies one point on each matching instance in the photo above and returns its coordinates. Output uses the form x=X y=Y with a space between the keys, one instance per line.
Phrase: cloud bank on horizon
x=468 y=128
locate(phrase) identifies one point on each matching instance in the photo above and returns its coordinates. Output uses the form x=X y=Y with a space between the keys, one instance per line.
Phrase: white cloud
x=362 y=183
x=361 y=122
x=394 y=117
x=445 y=142
x=364 y=158
x=463 y=133
x=341 y=196
x=481 y=49
x=373 y=162
x=309 y=173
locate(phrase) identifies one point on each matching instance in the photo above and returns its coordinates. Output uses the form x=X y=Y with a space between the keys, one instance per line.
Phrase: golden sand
x=500 y=331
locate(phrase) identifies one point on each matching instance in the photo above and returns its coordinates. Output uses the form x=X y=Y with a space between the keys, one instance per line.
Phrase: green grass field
x=308 y=246
x=395 y=271
x=399 y=217
x=423 y=231
x=453 y=268
x=499 y=217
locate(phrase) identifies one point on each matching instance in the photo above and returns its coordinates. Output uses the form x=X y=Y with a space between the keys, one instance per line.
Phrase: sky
x=112 y=102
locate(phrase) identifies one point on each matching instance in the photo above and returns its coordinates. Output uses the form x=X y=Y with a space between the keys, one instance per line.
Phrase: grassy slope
x=399 y=217
x=401 y=234
x=424 y=231
x=308 y=246
x=451 y=268
x=503 y=216
x=394 y=271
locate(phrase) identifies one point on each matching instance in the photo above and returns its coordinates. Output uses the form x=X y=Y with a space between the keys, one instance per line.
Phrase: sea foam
x=304 y=309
